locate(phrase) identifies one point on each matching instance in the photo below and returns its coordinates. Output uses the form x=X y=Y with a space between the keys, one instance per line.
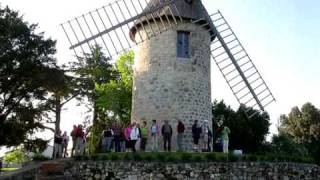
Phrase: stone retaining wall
x=197 y=171
x=93 y=170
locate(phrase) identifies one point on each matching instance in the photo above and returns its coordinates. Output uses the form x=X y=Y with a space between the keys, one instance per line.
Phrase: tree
x=115 y=97
x=25 y=58
x=93 y=70
x=284 y=144
x=247 y=134
x=303 y=125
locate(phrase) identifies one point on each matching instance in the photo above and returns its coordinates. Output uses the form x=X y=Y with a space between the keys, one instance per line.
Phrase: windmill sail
x=237 y=68
x=109 y=26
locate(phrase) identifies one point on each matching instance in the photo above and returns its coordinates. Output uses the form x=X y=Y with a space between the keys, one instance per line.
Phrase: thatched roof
x=188 y=10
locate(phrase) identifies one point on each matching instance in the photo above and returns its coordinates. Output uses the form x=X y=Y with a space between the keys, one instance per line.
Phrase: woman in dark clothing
x=196 y=132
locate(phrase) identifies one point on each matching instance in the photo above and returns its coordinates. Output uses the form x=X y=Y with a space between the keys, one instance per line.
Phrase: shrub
x=127 y=157
x=172 y=158
x=186 y=157
x=40 y=157
x=114 y=157
x=160 y=157
x=137 y=157
x=148 y=157
x=233 y=158
x=211 y=157
x=197 y=158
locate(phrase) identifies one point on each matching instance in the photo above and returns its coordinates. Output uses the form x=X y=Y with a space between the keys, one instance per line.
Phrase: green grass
x=191 y=157
x=8 y=169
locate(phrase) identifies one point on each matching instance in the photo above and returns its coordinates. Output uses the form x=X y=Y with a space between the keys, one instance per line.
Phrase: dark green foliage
x=211 y=157
x=303 y=126
x=160 y=157
x=39 y=157
x=26 y=65
x=233 y=158
x=172 y=158
x=186 y=157
x=114 y=157
x=250 y=158
x=192 y=157
x=283 y=144
x=197 y=158
x=246 y=134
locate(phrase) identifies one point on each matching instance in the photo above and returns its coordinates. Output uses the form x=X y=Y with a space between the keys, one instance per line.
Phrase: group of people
x=61 y=142
x=135 y=137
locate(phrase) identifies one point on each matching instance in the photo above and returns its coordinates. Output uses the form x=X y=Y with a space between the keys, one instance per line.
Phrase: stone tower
x=172 y=72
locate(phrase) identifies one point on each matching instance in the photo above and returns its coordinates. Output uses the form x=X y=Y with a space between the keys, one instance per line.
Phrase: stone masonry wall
x=171 y=88
x=197 y=171
x=101 y=170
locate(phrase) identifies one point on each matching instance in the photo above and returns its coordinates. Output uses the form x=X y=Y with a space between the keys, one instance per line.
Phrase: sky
x=282 y=37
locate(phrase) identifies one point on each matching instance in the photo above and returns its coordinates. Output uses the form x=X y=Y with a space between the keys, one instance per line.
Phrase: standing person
x=180 y=130
x=138 y=142
x=79 y=147
x=73 y=136
x=155 y=132
x=167 y=134
x=122 y=140
x=57 y=152
x=196 y=132
x=134 y=136
x=116 y=136
x=65 y=142
x=225 y=139
x=206 y=136
x=210 y=140
x=107 y=136
x=144 y=136
x=127 y=132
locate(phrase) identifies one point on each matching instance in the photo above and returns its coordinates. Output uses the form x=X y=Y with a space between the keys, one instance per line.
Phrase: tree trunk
x=58 y=113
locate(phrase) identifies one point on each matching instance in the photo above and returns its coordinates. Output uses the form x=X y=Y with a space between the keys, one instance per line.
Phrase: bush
x=197 y=158
x=233 y=158
x=114 y=157
x=137 y=157
x=160 y=157
x=172 y=158
x=211 y=157
x=250 y=158
x=186 y=157
x=127 y=157
x=40 y=157
x=148 y=157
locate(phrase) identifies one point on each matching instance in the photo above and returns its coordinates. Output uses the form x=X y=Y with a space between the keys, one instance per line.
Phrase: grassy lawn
x=8 y=169
x=192 y=157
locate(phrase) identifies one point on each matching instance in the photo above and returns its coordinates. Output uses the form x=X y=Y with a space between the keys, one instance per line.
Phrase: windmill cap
x=186 y=9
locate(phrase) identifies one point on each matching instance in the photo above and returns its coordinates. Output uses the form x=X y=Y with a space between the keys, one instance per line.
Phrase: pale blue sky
x=281 y=36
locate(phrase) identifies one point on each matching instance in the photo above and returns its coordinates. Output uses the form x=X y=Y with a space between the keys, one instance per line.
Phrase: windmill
x=174 y=41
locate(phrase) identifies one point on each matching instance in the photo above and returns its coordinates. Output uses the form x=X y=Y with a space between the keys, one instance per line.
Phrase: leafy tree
x=247 y=134
x=303 y=125
x=115 y=97
x=93 y=70
x=26 y=57
x=16 y=156
x=285 y=145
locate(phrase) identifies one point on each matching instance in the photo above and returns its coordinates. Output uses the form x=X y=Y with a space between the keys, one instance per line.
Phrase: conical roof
x=187 y=9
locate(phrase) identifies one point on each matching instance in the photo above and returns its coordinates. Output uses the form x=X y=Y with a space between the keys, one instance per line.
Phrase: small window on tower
x=183 y=49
